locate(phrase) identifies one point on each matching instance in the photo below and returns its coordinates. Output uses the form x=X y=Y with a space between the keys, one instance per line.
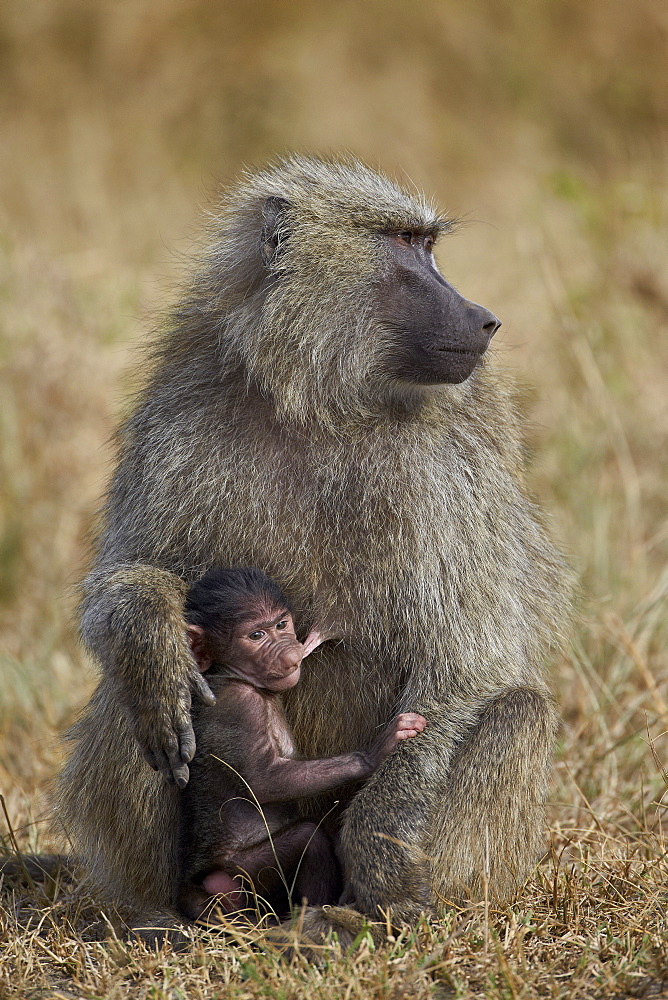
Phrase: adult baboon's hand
x=167 y=742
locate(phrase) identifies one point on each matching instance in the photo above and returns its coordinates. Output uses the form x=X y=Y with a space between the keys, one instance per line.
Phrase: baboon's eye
x=258 y=634
x=406 y=237
x=429 y=243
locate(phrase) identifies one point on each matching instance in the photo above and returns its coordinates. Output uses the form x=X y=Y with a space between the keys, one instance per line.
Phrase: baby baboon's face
x=265 y=651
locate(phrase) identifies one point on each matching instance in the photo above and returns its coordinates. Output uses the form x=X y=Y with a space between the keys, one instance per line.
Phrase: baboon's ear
x=273 y=228
x=199 y=647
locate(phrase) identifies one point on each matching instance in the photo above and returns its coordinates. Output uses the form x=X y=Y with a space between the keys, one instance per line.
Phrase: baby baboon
x=242 y=634
x=320 y=406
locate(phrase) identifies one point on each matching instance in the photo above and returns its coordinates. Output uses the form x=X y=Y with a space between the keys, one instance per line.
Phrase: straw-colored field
x=545 y=126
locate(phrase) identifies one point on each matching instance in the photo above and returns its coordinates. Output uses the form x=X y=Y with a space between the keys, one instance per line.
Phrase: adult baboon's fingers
x=201 y=690
x=181 y=774
x=172 y=750
x=164 y=766
x=187 y=744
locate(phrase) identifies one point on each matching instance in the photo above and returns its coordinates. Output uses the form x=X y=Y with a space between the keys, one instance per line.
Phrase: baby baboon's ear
x=274 y=228
x=199 y=647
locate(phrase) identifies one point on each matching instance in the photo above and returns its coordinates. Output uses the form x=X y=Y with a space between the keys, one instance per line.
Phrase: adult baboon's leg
x=461 y=803
x=490 y=825
x=132 y=621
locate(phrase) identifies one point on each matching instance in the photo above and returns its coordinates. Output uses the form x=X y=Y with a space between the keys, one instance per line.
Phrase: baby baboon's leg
x=318 y=879
x=301 y=853
x=196 y=903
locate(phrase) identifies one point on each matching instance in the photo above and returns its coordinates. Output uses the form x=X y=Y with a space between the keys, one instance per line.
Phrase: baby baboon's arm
x=276 y=778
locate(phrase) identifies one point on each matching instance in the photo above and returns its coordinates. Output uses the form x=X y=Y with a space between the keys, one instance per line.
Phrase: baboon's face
x=436 y=335
x=265 y=651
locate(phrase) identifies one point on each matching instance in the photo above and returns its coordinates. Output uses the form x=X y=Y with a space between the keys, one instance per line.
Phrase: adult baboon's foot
x=157 y=929
x=37 y=867
x=313 y=931
x=389 y=907
x=328 y=922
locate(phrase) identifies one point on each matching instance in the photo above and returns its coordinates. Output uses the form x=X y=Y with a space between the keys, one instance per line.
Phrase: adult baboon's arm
x=132 y=622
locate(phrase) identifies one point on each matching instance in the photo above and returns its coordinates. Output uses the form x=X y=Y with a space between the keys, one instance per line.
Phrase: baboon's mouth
x=458 y=350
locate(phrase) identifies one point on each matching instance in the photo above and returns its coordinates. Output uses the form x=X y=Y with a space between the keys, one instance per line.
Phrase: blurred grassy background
x=543 y=124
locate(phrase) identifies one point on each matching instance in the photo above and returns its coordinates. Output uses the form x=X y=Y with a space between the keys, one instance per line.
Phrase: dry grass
x=548 y=122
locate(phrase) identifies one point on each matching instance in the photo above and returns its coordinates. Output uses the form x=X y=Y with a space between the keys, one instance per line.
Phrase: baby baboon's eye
x=282 y=624
x=258 y=634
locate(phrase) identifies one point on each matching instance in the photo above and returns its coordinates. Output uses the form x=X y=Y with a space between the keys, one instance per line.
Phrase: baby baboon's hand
x=402 y=727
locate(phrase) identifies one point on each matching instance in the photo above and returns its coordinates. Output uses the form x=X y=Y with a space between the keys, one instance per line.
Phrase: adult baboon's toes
x=313 y=932
x=37 y=867
x=159 y=929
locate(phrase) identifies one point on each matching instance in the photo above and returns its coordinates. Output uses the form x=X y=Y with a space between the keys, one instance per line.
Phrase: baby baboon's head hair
x=223 y=599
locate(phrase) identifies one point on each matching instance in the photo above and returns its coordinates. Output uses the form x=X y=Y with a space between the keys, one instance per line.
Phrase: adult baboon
x=318 y=407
